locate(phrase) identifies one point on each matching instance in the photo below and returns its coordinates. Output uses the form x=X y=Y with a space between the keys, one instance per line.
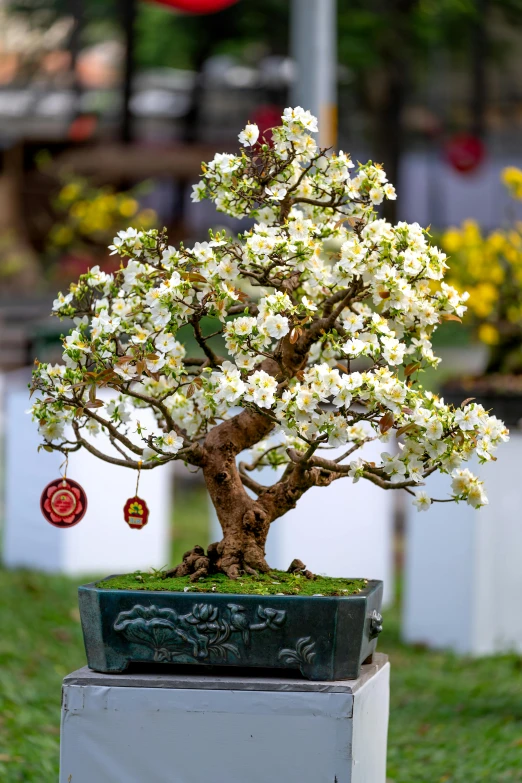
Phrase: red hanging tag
x=63 y=502
x=136 y=513
x=135 y=510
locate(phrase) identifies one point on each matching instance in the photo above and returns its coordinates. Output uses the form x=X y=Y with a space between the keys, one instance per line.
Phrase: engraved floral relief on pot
x=205 y=634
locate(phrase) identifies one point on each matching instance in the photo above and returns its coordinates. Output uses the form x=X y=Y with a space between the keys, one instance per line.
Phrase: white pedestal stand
x=345 y=529
x=101 y=543
x=463 y=579
x=190 y=728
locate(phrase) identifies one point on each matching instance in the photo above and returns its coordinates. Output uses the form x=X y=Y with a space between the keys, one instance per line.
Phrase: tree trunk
x=244 y=522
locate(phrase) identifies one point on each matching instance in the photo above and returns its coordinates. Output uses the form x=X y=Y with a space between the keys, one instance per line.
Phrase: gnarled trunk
x=245 y=526
x=244 y=522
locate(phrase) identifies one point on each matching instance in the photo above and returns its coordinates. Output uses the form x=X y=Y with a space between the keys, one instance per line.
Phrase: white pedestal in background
x=345 y=529
x=178 y=728
x=463 y=574
x=102 y=543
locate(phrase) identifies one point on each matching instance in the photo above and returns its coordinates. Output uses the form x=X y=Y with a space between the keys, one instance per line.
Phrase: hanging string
x=138 y=478
x=66 y=463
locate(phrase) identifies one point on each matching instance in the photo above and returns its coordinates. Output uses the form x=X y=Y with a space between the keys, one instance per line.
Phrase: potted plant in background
x=328 y=351
x=85 y=218
x=489 y=267
x=461 y=613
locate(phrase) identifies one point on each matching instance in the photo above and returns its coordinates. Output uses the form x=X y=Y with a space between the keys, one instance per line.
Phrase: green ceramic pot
x=326 y=638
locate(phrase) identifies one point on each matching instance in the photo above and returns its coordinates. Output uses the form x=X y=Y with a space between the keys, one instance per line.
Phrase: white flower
x=62 y=301
x=77 y=342
x=92 y=427
x=434 y=429
x=242 y=326
x=171 y=442
x=127 y=241
x=126 y=371
x=52 y=429
x=353 y=323
x=261 y=389
x=422 y=501
x=467 y=418
x=225 y=163
x=165 y=342
x=96 y=277
x=299 y=115
x=308 y=304
x=393 y=466
x=117 y=410
x=130 y=274
x=276 y=326
x=357 y=468
x=376 y=195
x=354 y=347
x=276 y=193
x=393 y=350
x=462 y=480
x=198 y=191
x=105 y=323
x=249 y=136
x=140 y=336
x=476 y=496
x=306 y=400
x=155 y=365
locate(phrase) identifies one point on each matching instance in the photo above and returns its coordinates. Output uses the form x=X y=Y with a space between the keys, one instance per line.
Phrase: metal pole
x=75 y=42
x=313 y=45
x=128 y=19
x=478 y=69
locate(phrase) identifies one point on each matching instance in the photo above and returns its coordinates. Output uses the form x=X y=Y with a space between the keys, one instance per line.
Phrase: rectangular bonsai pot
x=327 y=638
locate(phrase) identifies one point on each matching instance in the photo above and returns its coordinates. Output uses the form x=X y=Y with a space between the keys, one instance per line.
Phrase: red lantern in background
x=266 y=117
x=197 y=6
x=465 y=152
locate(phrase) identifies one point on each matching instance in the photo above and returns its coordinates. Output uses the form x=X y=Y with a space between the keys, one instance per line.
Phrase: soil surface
x=273 y=583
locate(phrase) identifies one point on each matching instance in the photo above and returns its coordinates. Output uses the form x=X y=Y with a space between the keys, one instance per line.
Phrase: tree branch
x=249 y=482
x=207 y=350
x=123 y=463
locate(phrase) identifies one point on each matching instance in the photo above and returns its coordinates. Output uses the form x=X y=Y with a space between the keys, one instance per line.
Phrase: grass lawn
x=452 y=720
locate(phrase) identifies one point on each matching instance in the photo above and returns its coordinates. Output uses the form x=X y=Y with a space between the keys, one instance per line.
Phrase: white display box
x=345 y=529
x=186 y=728
x=102 y=543
x=463 y=575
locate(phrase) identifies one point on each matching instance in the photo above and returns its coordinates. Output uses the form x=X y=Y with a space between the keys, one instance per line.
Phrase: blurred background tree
x=412 y=74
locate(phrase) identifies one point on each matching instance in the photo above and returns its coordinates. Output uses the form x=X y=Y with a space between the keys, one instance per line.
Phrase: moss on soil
x=274 y=583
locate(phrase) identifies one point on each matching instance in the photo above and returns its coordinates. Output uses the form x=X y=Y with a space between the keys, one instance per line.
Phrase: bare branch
x=214 y=360
x=249 y=482
x=123 y=463
x=354 y=448
x=160 y=406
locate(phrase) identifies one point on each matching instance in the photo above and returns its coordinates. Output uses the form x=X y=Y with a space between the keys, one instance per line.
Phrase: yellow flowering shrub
x=89 y=217
x=489 y=266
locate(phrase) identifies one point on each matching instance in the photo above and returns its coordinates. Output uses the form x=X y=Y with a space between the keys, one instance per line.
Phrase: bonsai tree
x=326 y=311
x=490 y=268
